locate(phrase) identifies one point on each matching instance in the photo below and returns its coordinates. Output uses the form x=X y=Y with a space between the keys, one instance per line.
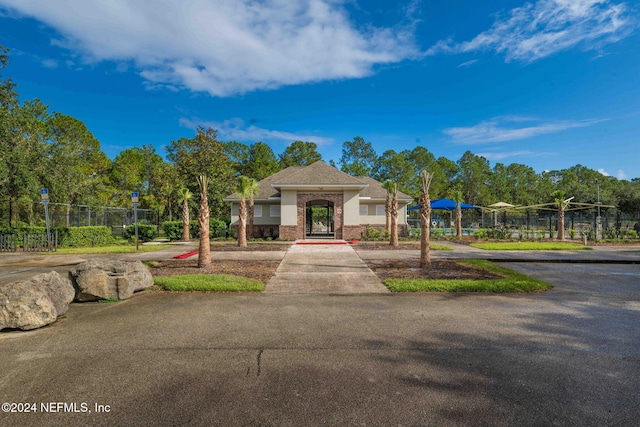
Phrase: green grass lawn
x=209 y=282
x=439 y=247
x=511 y=281
x=530 y=246
x=114 y=249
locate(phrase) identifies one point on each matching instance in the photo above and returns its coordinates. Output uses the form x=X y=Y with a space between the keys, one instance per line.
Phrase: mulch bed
x=264 y=270
x=232 y=247
x=440 y=269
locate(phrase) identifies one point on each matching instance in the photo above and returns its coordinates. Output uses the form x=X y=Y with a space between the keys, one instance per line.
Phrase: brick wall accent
x=304 y=198
x=288 y=232
x=351 y=232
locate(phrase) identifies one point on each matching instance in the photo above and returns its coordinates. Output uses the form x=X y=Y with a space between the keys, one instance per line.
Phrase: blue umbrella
x=445 y=205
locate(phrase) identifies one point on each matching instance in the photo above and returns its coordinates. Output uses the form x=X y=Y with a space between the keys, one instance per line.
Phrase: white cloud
x=468 y=63
x=223 y=47
x=538 y=30
x=621 y=174
x=497 y=156
x=603 y=172
x=50 y=63
x=501 y=129
x=236 y=129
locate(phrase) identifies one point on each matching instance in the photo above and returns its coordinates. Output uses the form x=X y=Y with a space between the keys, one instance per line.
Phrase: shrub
x=632 y=234
x=437 y=233
x=480 y=233
x=173 y=229
x=146 y=232
x=372 y=233
x=572 y=233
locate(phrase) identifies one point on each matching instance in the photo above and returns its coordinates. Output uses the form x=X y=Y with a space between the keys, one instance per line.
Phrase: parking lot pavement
x=569 y=357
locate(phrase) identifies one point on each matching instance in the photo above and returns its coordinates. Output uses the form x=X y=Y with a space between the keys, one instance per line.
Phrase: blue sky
x=547 y=83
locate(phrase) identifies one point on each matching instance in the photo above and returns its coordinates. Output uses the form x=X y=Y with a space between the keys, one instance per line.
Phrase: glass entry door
x=319 y=219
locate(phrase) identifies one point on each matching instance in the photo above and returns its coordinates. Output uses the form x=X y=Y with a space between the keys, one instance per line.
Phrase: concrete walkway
x=324 y=269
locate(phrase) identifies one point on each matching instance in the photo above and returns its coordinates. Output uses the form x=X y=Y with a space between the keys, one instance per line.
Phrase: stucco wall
x=351 y=213
x=265 y=219
x=289 y=210
x=372 y=218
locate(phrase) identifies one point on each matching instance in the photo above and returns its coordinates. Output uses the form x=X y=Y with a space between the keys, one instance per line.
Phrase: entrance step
x=320 y=242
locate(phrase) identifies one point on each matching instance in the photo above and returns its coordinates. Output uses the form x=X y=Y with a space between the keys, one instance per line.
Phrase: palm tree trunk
x=204 y=255
x=387 y=211
x=250 y=214
x=425 y=221
x=394 y=221
x=185 y=220
x=458 y=222
x=242 y=223
x=561 y=224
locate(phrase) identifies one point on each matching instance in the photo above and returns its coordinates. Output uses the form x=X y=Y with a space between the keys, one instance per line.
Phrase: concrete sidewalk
x=324 y=269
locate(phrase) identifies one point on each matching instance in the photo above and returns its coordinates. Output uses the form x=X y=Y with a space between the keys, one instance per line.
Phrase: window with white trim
x=364 y=210
x=274 y=211
x=257 y=211
x=380 y=210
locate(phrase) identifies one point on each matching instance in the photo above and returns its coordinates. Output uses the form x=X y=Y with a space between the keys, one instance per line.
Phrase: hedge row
x=173 y=229
x=70 y=236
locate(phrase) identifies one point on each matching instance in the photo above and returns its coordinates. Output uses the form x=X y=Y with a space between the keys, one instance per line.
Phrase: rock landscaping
x=104 y=278
x=36 y=302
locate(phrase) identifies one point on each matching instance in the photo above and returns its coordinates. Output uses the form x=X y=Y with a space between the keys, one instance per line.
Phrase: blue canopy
x=445 y=205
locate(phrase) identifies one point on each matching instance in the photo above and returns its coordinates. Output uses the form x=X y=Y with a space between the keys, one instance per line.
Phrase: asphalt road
x=568 y=357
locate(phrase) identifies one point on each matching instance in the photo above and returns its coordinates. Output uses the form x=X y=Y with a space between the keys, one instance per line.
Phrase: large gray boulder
x=104 y=278
x=36 y=302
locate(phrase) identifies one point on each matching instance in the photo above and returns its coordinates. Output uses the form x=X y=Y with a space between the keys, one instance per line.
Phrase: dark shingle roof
x=318 y=173
x=375 y=190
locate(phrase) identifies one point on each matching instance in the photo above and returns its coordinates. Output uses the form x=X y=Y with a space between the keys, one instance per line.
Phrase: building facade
x=319 y=201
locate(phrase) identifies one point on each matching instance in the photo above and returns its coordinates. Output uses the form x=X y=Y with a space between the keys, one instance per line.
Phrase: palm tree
x=204 y=250
x=246 y=187
x=252 y=192
x=393 y=214
x=425 y=220
x=457 y=196
x=184 y=195
x=561 y=204
x=388 y=185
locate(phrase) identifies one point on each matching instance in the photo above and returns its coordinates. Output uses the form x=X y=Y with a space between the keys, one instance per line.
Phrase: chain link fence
x=19 y=213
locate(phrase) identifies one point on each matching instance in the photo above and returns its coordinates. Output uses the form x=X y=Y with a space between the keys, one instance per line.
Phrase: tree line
x=40 y=148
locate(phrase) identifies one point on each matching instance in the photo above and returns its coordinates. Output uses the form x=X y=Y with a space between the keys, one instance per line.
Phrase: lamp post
x=598 y=221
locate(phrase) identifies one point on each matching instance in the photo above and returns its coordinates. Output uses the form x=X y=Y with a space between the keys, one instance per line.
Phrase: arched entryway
x=319 y=219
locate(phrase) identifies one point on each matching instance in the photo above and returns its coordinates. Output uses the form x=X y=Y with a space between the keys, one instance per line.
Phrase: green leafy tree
x=473 y=179
x=299 y=153
x=74 y=160
x=395 y=167
x=204 y=155
x=358 y=157
x=261 y=162
x=238 y=154
x=420 y=159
